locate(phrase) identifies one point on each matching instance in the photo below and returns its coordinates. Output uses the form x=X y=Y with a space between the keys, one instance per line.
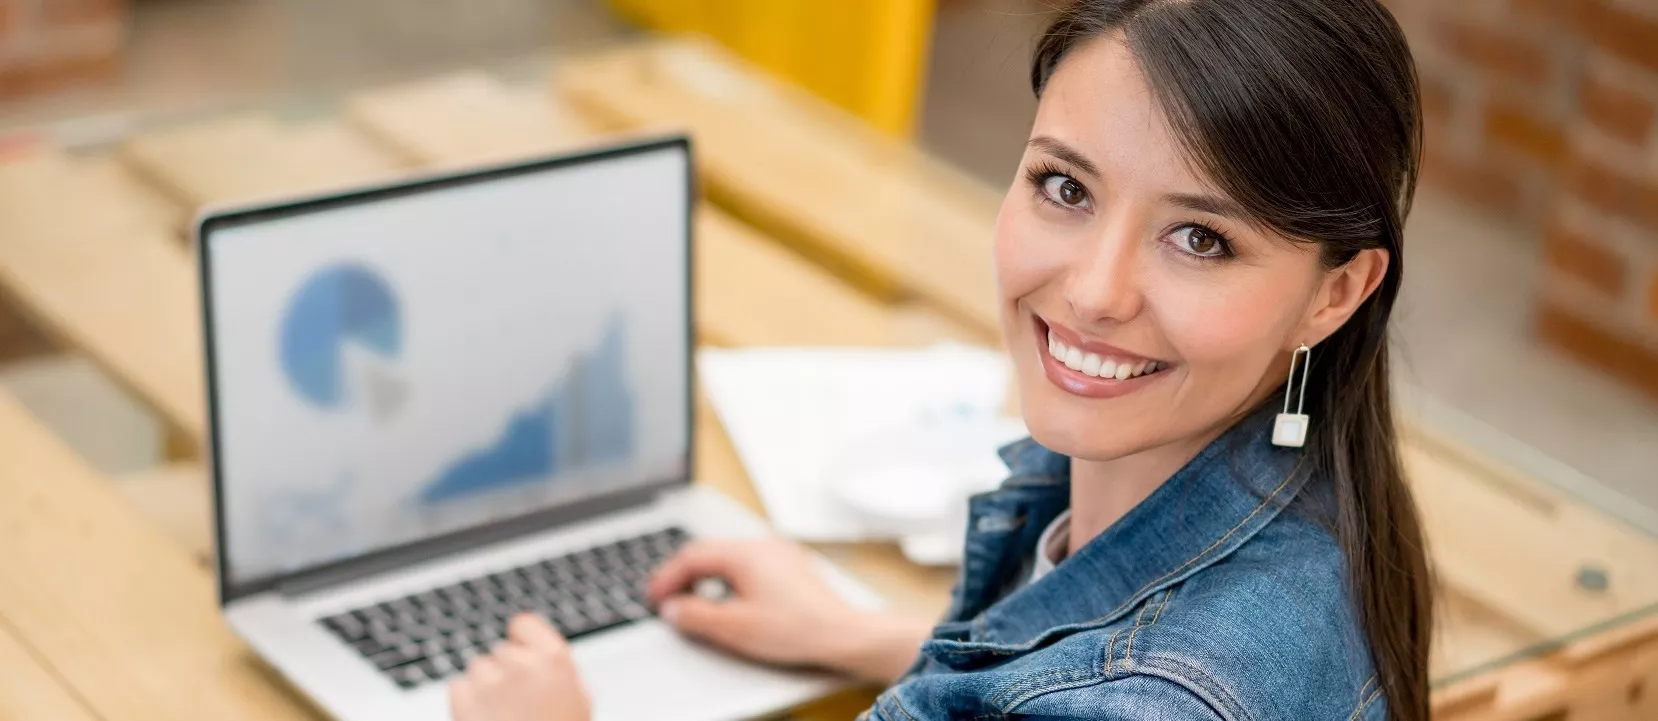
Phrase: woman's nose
x=1104 y=287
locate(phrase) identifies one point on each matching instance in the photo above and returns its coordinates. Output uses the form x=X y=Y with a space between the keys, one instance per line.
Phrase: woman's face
x=1139 y=304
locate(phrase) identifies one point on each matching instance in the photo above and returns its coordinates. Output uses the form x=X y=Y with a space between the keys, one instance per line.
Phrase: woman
x=1209 y=186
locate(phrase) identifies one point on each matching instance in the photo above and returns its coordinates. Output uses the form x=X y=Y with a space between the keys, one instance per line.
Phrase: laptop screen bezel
x=324 y=574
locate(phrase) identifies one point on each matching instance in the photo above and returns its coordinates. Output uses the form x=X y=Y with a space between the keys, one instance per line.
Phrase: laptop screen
x=417 y=362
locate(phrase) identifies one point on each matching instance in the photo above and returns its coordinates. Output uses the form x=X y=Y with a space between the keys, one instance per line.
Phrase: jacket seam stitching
x=1224 y=707
x=1365 y=703
x=1166 y=598
x=1111 y=656
x=1212 y=546
x=1198 y=691
x=1128 y=646
x=1128 y=652
x=897 y=705
x=1069 y=678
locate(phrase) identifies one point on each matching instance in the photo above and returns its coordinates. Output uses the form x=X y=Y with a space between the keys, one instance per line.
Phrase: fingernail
x=670 y=612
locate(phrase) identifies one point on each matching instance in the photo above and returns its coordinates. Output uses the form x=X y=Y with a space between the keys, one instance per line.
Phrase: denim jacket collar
x=1210 y=507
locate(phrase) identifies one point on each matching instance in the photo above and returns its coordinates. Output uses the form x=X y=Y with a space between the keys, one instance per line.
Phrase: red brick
x=1652 y=298
x=1582 y=258
x=1621 y=357
x=1437 y=99
x=21 y=79
x=1621 y=32
x=1618 y=112
x=71 y=12
x=1613 y=191
x=1554 y=14
x=1481 y=183
x=1521 y=131
x=1496 y=52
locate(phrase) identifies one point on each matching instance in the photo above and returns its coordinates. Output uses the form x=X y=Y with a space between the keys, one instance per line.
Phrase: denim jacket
x=1223 y=595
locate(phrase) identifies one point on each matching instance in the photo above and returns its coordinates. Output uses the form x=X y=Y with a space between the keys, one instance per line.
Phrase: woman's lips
x=1090 y=368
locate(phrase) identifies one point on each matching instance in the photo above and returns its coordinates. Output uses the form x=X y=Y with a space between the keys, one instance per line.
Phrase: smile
x=1090 y=368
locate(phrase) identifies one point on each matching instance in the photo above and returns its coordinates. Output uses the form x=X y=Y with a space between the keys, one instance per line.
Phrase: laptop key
x=408 y=676
x=457 y=662
x=441 y=665
x=386 y=660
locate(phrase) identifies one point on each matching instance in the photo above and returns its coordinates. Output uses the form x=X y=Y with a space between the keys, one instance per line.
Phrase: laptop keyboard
x=431 y=636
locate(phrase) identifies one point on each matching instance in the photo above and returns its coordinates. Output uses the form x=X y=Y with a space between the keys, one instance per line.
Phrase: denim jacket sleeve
x=1135 y=697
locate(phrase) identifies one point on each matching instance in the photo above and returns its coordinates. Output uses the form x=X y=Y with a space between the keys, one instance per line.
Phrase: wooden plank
x=1468 y=635
x=874 y=210
x=250 y=156
x=112 y=282
x=754 y=292
x=1521 y=560
x=175 y=497
x=465 y=118
x=30 y=691
x=123 y=614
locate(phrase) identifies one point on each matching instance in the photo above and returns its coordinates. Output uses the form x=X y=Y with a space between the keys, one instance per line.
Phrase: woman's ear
x=1341 y=293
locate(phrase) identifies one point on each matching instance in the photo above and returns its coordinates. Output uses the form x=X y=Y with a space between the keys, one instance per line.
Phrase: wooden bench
x=118 y=612
x=29 y=690
x=793 y=166
x=251 y=156
x=92 y=254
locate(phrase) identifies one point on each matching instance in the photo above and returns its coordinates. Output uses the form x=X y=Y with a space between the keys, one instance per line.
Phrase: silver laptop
x=441 y=402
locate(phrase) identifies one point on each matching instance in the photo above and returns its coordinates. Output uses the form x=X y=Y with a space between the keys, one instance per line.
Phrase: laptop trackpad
x=647 y=671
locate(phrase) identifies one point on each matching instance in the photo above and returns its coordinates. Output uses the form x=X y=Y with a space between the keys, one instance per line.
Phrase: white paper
x=792 y=413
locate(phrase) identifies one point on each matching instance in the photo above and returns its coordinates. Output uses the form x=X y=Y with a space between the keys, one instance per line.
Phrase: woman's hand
x=781 y=610
x=530 y=677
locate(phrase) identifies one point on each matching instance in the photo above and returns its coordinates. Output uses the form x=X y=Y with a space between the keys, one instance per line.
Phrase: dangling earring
x=1291 y=429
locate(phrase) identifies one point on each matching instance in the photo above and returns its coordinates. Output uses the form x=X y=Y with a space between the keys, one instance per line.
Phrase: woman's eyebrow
x=1211 y=204
x=1070 y=155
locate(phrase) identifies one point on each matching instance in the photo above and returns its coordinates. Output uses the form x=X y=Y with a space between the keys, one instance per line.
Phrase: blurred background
x=1527 y=330
x=1532 y=300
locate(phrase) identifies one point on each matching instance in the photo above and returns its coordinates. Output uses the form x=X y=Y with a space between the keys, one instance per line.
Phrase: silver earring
x=1291 y=429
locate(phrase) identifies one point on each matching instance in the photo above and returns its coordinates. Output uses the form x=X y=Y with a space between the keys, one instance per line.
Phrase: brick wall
x=1544 y=110
x=50 y=45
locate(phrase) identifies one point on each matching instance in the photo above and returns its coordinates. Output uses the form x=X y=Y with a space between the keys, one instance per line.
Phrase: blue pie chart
x=340 y=304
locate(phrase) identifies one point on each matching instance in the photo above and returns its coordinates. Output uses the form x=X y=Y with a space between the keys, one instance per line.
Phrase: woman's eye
x=1200 y=241
x=1065 y=191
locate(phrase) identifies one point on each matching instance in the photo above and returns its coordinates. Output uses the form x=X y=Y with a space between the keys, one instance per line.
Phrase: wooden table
x=874 y=210
x=116 y=284
x=117 y=611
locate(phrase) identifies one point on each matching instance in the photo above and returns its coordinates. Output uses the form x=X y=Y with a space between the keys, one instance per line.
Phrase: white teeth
x=1094 y=365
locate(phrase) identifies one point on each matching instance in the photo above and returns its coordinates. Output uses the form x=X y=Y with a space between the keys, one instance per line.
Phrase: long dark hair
x=1306 y=112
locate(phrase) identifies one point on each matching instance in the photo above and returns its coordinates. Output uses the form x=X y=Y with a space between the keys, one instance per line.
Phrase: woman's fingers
x=533 y=632
x=463 y=700
x=698 y=559
x=483 y=673
x=727 y=624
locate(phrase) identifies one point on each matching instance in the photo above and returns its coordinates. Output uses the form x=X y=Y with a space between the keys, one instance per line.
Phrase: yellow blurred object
x=866 y=56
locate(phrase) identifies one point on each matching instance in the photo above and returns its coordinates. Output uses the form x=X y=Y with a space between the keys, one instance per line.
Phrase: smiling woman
x=1211 y=188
